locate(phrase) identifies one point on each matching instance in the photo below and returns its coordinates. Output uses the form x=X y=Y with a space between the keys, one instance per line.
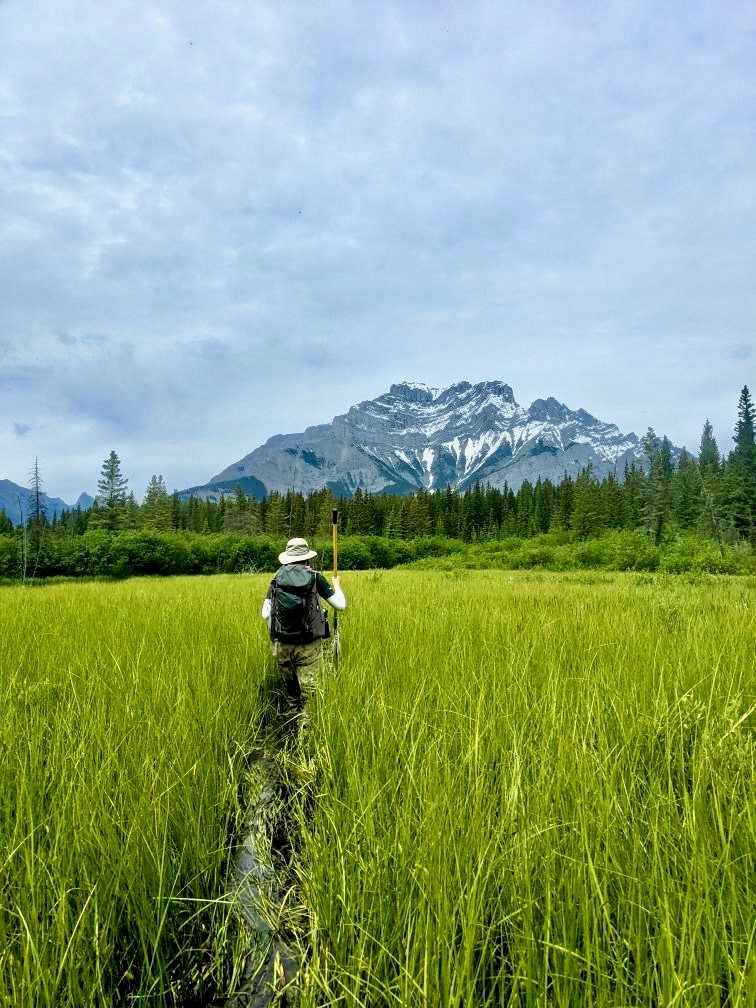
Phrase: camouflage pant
x=299 y=667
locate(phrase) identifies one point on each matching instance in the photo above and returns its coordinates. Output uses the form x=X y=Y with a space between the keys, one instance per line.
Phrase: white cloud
x=203 y=206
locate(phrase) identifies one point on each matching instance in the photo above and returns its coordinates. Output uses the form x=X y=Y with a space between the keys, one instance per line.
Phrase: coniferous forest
x=700 y=510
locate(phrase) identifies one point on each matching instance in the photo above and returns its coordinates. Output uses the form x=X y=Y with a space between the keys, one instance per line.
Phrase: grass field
x=129 y=709
x=532 y=789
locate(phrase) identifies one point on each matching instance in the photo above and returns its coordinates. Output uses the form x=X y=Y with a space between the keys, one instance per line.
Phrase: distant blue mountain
x=15 y=502
x=225 y=488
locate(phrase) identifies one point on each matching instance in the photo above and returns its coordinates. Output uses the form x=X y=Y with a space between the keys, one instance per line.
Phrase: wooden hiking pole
x=334 y=541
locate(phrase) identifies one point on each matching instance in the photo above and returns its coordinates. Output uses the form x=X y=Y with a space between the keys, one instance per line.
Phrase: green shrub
x=590 y=553
x=694 y=553
x=630 y=550
x=102 y=554
x=537 y=555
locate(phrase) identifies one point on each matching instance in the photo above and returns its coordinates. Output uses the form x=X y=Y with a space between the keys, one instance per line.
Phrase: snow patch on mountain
x=416 y=437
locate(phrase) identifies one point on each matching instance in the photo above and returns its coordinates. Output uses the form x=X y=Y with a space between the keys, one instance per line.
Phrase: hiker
x=298 y=625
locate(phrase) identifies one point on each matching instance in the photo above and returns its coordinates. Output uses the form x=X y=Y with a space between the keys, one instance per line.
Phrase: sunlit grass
x=536 y=789
x=532 y=789
x=128 y=713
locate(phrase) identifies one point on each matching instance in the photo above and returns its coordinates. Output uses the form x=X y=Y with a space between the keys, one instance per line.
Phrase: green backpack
x=296 y=616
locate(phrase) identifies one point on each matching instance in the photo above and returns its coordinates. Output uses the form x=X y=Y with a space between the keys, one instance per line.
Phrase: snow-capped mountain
x=15 y=503
x=416 y=437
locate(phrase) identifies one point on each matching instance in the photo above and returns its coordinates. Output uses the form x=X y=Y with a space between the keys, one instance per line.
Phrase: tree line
x=713 y=495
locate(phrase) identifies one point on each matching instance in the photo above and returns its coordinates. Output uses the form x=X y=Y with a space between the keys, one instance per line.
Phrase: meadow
x=129 y=713
x=529 y=789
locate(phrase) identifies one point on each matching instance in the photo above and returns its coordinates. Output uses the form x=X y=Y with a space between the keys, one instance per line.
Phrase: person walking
x=298 y=625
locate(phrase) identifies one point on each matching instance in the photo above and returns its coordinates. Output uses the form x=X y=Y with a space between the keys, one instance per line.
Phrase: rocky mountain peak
x=454 y=391
x=549 y=409
x=415 y=436
x=413 y=392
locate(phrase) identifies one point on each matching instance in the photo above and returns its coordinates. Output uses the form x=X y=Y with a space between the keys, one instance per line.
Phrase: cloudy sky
x=224 y=220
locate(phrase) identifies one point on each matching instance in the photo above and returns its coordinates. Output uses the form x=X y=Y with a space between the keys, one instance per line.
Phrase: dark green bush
x=101 y=554
x=694 y=553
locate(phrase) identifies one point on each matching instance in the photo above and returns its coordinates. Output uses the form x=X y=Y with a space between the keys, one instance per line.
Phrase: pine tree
x=687 y=493
x=633 y=479
x=525 y=509
x=565 y=494
x=421 y=513
x=474 y=513
x=253 y=526
x=711 y=519
x=613 y=502
x=156 y=508
x=36 y=522
x=235 y=513
x=667 y=466
x=373 y=515
x=450 y=513
x=651 y=444
x=355 y=516
x=587 y=517
x=658 y=488
x=77 y=521
x=294 y=512
x=509 y=514
x=741 y=470
x=276 y=521
x=132 y=517
x=391 y=525
x=709 y=459
x=403 y=520
x=744 y=428
x=179 y=514
x=542 y=506
x=111 y=496
x=37 y=510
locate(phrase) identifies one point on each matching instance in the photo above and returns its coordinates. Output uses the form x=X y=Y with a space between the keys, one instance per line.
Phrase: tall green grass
x=533 y=789
x=536 y=790
x=128 y=712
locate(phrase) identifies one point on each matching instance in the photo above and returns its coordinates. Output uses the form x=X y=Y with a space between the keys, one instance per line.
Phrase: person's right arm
x=334 y=596
x=337 y=600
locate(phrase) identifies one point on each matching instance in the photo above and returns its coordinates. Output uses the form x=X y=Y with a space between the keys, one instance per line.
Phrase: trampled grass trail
x=532 y=789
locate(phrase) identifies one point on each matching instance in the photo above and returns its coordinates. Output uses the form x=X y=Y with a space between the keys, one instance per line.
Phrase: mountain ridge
x=418 y=437
x=14 y=502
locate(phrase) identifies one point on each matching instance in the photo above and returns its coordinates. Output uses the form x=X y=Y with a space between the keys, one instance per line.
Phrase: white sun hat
x=296 y=551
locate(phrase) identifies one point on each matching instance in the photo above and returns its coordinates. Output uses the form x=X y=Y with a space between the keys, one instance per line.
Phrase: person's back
x=296 y=616
x=298 y=625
